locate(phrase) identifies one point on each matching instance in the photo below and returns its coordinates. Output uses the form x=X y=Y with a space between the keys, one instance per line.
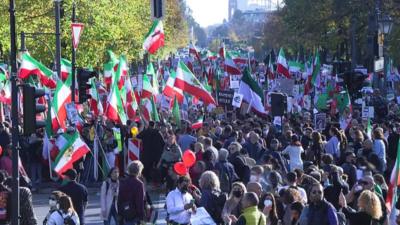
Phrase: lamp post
x=385 y=24
x=57 y=4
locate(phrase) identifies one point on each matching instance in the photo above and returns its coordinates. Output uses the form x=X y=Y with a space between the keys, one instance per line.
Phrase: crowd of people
x=248 y=170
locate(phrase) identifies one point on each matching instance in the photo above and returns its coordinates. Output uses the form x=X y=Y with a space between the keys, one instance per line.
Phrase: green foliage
x=119 y=25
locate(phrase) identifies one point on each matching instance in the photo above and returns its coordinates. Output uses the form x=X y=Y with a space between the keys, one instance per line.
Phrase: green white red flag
x=131 y=102
x=394 y=182
x=109 y=68
x=72 y=148
x=95 y=103
x=186 y=81
x=198 y=124
x=252 y=92
x=170 y=90
x=115 y=109
x=315 y=79
x=30 y=66
x=62 y=96
x=154 y=38
x=282 y=65
x=66 y=69
x=230 y=66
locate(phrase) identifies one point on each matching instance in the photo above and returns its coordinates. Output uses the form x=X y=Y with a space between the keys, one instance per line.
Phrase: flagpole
x=73 y=56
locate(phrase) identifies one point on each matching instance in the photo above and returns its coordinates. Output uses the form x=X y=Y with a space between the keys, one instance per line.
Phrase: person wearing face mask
x=270 y=210
x=53 y=200
x=109 y=197
x=232 y=206
x=256 y=175
x=65 y=213
x=180 y=203
x=251 y=215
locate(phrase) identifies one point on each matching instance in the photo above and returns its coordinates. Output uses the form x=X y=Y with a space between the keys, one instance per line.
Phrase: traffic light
x=83 y=86
x=157 y=9
x=31 y=108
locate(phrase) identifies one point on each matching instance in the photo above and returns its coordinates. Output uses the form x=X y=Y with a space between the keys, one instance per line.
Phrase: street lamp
x=385 y=24
x=385 y=27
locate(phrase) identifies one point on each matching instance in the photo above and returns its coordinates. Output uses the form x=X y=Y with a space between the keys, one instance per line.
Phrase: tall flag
x=193 y=51
x=186 y=81
x=282 y=65
x=154 y=38
x=315 y=79
x=72 y=149
x=230 y=66
x=5 y=93
x=147 y=88
x=110 y=68
x=270 y=70
x=176 y=113
x=95 y=102
x=154 y=113
x=170 y=90
x=30 y=66
x=394 y=182
x=252 y=93
x=154 y=78
x=62 y=96
x=131 y=102
x=115 y=109
x=66 y=69
x=122 y=72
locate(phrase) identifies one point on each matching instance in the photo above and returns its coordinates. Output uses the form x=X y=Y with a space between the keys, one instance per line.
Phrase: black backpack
x=67 y=220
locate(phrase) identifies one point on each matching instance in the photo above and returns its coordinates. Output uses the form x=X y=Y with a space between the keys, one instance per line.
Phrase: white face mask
x=52 y=203
x=253 y=178
x=267 y=203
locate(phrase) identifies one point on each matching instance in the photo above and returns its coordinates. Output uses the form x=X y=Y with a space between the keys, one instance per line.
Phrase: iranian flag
x=282 y=65
x=66 y=69
x=62 y=96
x=95 y=104
x=154 y=38
x=176 y=113
x=198 y=124
x=154 y=113
x=394 y=182
x=369 y=129
x=238 y=58
x=186 y=81
x=30 y=66
x=170 y=90
x=115 y=109
x=147 y=89
x=193 y=51
x=110 y=68
x=315 y=77
x=131 y=102
x=5 y=93
x=122 y=72
x=230 y=66
x=72 y=148
x=154 y=78
x=252 y=93
x=221 y=51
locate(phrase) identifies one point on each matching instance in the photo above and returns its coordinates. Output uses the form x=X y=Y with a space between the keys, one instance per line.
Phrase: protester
x=225 y=171
x=232 y=207
x=270 y=210
x=294 y=150
x=77 y=192
x=131 y=203
x=333 y=145
x=53 y=201
x=109 y=196
x=251 y=215
x=180 y=204
x=65 y=213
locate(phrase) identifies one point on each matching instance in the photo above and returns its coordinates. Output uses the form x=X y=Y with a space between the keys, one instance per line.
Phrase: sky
x=209 y=12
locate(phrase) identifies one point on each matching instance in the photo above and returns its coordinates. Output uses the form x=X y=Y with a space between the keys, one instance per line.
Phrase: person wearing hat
x=77 y=192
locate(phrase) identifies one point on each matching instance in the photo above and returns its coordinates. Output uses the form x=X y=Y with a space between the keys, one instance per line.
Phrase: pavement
x=92 y=214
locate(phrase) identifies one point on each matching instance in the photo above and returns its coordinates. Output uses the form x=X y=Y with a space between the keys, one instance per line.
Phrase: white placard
x=368 y=112
x=237 y=100
x=234 y=81
x=277 y=121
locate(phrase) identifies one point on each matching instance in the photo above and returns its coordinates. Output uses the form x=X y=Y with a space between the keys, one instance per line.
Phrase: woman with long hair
x=270 y=210
x=53 y=200
x=109 y=197
x=232 y=206
x=65 y=211
x=316 y=149
x=333 y=145
x=212 y=199
x=369 y=208
x=294 y=151
x=379 y=148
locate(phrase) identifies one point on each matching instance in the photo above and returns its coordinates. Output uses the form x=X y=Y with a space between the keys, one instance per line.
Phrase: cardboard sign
x=368 y=112
x=320 y=121
x=237 y=100
x=225 y=98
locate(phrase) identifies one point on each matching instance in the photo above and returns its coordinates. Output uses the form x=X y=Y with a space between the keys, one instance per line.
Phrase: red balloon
x=189 y=158
x=180 y=168
x=1 y=150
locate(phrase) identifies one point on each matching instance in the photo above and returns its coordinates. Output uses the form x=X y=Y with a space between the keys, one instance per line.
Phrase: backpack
x=4 y=201
x=68 y=219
